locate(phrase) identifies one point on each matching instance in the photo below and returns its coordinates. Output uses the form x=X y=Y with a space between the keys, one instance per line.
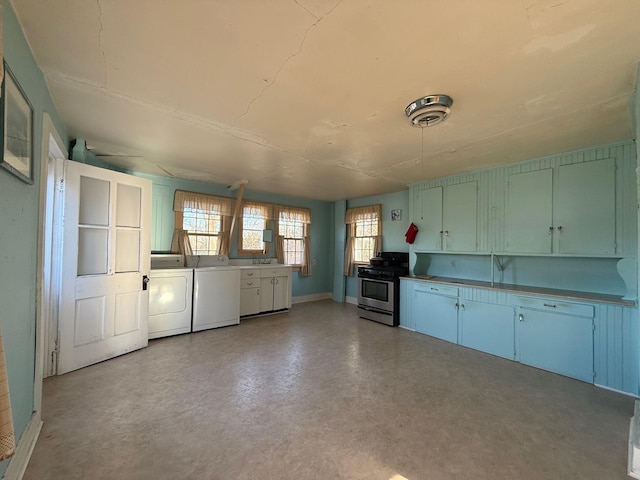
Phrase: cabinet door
x=460 y=214
x=249 y=301
x=585 y=211
x=529 y=212
x=427 y=215
x=266 y=294
x=280 y=292
x=488 y=328
x=436 y=315
x=556 y=342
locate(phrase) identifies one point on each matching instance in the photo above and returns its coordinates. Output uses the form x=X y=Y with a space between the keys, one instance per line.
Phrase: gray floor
x=321 y=394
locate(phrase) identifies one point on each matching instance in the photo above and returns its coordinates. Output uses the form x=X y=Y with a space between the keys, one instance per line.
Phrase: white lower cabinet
x=487 y=327
x=275 y=288
x=250 y=292
x=435 y=311
x=556 y=336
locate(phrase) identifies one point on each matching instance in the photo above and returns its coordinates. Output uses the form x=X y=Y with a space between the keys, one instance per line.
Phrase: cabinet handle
x=560 y=229
x=258 y=291
x=441 y=232
x=521 y=317
x=249 y=274
x=457 y=306
x=548 y=305
x=249 y=283
x=462 y=307
x=434 y=289
x=446 y=233
x=550 y=230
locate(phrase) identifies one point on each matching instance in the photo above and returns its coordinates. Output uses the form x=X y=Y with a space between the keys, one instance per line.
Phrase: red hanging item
x=412 y=231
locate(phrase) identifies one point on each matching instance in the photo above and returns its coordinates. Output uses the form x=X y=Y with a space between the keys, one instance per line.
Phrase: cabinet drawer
x=250 y=283
x=274 y=272
x=556 y=306
x=248 y=273
x=436 y=288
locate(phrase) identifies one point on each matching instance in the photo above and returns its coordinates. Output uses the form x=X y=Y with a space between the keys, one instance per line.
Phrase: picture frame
x=17 y=129
x=396 y=215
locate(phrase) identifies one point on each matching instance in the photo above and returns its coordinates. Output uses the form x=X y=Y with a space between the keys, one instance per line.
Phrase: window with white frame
x=293 y=236
x=205 y=222
x=203 y=227
x=252 y=224
x=364 y=235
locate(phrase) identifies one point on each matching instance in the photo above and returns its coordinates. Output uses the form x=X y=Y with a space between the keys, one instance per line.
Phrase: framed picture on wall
x=396 y=215
x=17 y=127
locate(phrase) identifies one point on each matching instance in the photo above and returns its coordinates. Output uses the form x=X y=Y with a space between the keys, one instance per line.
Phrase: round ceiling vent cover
x=428 y=111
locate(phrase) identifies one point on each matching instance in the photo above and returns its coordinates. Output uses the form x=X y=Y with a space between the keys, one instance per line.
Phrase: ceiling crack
x=309 y=11
x=286 y=60
x=104 y=57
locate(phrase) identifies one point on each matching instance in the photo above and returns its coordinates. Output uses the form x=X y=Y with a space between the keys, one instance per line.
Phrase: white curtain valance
x=294 y=214
x=201 y=201
x=265 y=210
x=369 y=212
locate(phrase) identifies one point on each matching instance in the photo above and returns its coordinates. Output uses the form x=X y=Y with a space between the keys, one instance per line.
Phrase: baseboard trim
x=19 y=462
x=311 y=298
x=351 y=300
x=628 y=394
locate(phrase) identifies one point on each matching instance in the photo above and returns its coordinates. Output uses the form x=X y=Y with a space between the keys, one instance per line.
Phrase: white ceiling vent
x=428 y=111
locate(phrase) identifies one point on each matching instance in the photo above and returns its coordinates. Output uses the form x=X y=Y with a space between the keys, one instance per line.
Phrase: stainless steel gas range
x=379 y=287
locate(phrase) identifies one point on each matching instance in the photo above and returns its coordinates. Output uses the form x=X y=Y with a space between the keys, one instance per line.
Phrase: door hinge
x=60 y=185
x=55 y=356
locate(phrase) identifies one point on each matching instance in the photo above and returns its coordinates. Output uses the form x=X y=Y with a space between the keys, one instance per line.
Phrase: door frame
x=53 y=148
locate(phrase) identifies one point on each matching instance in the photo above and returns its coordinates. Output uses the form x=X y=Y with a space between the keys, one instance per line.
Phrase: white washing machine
x=170 y=296
x=216 y=292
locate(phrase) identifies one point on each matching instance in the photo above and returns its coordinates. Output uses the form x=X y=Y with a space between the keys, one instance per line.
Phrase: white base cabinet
x=250 y=292
x=275 y=288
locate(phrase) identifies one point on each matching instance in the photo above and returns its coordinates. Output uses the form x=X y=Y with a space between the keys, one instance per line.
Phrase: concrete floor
x=321 y=394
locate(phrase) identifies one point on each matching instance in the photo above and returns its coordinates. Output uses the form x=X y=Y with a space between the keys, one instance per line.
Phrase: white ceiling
x=307 y=97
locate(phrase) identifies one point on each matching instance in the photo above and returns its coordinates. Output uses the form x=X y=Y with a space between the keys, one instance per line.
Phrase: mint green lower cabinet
x=406 y=304
x=435 y=311
x=488 y=328
x=616 y=348
x=556 y=336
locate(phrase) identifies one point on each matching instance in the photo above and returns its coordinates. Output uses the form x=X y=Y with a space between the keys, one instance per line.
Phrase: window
x=364 y=236
x=202 y=223
x=366 y=232
x=293 y=236
x=203 y=228
x=254 y=220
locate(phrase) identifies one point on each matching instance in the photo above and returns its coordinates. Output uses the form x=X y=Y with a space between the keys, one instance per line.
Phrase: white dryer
x=170 y=296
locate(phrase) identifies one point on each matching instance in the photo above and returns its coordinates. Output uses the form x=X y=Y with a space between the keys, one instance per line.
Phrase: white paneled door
x=105 y=263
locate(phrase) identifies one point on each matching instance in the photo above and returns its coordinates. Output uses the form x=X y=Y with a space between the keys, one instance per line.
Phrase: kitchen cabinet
x=487 y=327
x=446 y=217
x=406 y=303
x=275 y=288
x=435 y=310
x=556 y=336
x=528 y=226
x=585 y=220
x=576 y=218
x=249 y=291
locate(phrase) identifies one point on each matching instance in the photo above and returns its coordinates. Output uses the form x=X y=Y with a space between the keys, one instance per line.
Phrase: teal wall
x=321 y=231
x=19 y=232
x=392 y=231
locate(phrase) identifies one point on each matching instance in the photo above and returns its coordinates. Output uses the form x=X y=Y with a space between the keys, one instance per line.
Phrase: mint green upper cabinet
x=529 y=212
x=567 y=210
x=586 y=209
x=460 y=217
x=446 y=218
x=427 y=216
